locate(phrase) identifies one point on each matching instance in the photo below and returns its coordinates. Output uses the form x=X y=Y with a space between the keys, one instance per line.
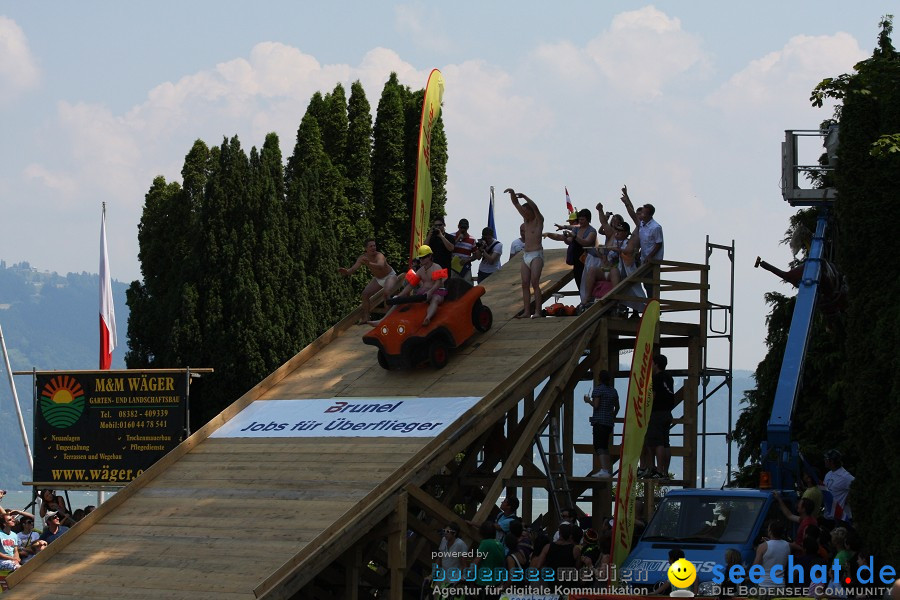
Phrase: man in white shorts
x=383 y=276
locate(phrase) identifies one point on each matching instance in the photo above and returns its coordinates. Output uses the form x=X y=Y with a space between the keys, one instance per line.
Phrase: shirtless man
x=383 y=276
x=533 y=260
x=429 y=280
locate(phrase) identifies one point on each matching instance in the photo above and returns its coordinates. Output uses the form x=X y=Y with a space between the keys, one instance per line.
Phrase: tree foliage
x=240 y=260
x=852 y=376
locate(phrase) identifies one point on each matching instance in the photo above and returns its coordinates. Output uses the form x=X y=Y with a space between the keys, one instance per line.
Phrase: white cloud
x=249 y=96
x=791 y=72
x=57 y=182
x=482 y=105
x=422 y=23
x=641 y=52
x=18 y=70
x=568 y=60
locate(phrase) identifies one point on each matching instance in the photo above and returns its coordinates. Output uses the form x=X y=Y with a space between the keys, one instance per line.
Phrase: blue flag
x=490 y=222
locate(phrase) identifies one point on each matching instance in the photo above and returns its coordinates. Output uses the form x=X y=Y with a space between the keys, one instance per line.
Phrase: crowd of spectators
x=506 y=542
x=20 y=540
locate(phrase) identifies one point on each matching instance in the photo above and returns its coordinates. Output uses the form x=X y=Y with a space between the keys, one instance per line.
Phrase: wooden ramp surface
x=217 y=517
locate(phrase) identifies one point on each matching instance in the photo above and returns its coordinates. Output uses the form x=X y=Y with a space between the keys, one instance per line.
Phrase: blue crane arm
x=779 y=451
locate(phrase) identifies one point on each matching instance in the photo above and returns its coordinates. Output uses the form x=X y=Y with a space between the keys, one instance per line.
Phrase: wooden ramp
x=224 y=517
x=242 y=517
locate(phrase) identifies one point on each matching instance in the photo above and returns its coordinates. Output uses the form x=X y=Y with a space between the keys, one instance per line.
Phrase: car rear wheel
x=482 y=317
x=438 y=353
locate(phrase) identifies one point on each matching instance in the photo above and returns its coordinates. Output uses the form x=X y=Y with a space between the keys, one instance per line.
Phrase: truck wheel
x=482 y=317
x=438 y=353
x=383 y=360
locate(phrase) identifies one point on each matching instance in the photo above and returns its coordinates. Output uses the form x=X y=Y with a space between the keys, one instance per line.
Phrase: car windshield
x=712 y=519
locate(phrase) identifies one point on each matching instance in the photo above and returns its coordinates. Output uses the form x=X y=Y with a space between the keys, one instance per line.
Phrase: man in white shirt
x=518 y=244
x=649 y=231
x=837 y=486
x=452 y=551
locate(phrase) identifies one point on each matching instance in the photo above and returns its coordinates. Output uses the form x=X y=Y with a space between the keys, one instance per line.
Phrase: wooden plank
x=284 y=529
x=81 y=587
x=286 y=579
x=310 y=471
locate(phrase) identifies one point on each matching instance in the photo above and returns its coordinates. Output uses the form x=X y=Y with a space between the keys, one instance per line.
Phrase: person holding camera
x=440 y=242
x=488 y=250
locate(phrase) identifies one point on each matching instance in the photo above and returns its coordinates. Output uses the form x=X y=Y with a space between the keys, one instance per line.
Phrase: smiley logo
x=682 y=573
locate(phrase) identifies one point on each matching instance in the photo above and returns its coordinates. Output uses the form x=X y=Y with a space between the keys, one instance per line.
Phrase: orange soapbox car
x=403 y=341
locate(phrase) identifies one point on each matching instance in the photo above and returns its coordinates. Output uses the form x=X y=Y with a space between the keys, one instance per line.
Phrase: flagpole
x=15 y=395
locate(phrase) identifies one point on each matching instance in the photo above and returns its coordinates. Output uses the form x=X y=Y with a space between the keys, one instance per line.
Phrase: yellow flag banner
x=431 y=110
x=637 y=413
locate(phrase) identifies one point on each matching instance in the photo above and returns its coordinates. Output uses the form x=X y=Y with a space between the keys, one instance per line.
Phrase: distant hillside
x=49 y=321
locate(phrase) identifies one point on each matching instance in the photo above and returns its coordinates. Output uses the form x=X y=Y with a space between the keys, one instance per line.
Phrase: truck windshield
x=712 y=519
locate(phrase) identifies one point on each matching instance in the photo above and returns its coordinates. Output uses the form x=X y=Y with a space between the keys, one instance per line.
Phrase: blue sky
x=685 y=102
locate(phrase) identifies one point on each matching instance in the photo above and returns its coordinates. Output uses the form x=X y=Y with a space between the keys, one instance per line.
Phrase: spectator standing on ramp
x=488 y=250
x=649 y=231
x=463 y=250
x=518 y=244
x=440 y=242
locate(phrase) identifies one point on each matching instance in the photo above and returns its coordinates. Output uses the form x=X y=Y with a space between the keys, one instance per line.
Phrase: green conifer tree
x=391 y=216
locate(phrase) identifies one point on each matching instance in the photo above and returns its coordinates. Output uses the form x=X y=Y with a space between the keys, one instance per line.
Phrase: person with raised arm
x=533 y=260
x=649 y=231
x=383 y=276
x=607 y=266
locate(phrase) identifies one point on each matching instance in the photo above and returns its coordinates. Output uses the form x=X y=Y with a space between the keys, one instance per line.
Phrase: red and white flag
x=107 y=310
x=569 y=206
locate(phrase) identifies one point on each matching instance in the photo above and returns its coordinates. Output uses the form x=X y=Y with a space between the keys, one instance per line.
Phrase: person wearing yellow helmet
x=383 y=276
x=427 y=280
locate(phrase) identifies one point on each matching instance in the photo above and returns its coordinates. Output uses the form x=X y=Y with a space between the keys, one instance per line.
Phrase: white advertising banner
x=346 y=417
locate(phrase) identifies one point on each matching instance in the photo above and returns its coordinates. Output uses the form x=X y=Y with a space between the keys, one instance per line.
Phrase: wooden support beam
x=548 y=397
x=351 y=573
x=397 y=546
x=690 y=396
x=439 y=511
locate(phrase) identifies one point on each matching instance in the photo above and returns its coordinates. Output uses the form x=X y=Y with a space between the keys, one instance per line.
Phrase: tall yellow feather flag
x=637 y=414
x=431 y=110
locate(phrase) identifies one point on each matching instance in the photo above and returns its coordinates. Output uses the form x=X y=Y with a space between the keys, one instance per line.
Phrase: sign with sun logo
x=62 y=401
x=106 y=426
